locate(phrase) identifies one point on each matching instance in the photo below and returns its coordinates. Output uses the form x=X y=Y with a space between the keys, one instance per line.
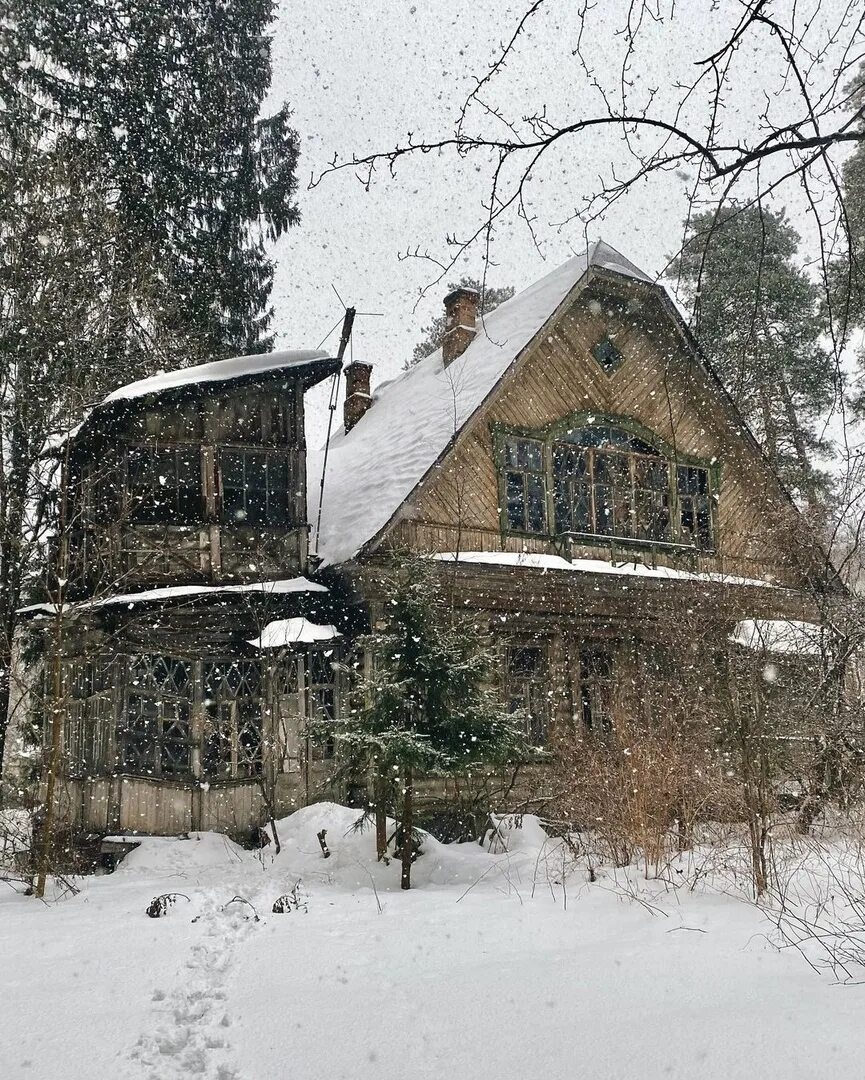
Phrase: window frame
x=596 y=678
x=521 y=687
x=319 y=691
x=227 y=717
x=270 y=454
x=197 y=514
x=552 y=435
x=172 y=709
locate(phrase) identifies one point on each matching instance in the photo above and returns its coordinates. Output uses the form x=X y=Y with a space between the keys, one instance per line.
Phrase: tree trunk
x=801 y=450
x=47 y=837
x=380 y=794
x=770 y=434
x=407 y=844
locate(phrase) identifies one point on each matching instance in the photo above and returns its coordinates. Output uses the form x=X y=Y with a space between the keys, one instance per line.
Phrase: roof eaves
x=113 y=409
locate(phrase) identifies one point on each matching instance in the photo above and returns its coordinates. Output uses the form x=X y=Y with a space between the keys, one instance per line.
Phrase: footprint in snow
x=188 y=1036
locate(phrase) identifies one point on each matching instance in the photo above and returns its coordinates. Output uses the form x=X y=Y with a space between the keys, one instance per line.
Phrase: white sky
x=359 y=74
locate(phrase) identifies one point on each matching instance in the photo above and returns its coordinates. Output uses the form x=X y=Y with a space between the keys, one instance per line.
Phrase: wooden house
x=574 y=465
x=570 y=461
x=184 y=640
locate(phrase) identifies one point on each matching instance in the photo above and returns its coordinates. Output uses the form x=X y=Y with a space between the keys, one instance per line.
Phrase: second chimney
x=357 y=396
x=461 y=316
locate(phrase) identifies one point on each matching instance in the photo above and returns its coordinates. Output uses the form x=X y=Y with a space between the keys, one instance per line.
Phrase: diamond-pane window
x=232 y=735
x=607 y=355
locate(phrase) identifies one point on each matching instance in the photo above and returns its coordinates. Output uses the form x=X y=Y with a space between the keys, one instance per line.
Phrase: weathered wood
x=661 y=386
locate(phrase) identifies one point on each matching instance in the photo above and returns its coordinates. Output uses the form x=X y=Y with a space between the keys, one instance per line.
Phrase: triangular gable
x=374 y=469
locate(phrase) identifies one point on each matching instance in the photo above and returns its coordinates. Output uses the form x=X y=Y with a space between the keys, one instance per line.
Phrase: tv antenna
x=348 y=317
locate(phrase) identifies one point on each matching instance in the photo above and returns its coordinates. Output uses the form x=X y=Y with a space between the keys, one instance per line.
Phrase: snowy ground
x=511 y=978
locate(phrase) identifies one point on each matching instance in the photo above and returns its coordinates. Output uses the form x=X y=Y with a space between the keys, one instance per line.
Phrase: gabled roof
x=312 y=364
x=373 y=469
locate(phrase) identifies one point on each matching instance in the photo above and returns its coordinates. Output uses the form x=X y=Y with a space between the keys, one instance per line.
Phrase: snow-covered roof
x=533 y=561
x=779 y=636
x=181 y=592
x=217 y=371
x=376 y=466
x=237 y=367
x=283 y=632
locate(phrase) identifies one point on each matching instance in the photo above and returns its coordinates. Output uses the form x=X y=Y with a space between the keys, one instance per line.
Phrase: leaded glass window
x=154 y=738
x=232 y=744
x=321 y=684
x=89 y=716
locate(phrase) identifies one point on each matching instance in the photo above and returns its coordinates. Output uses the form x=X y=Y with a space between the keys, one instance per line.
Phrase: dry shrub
x=640 y=786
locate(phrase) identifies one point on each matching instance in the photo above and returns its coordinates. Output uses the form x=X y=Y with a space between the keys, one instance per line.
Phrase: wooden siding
x=662 y=388
x=110 y=551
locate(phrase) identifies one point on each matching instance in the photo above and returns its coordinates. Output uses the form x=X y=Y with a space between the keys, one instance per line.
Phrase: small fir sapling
x=427 y=705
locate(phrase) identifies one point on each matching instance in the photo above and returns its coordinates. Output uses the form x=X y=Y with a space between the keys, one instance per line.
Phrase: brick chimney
x=461 y=311
x=357 y=396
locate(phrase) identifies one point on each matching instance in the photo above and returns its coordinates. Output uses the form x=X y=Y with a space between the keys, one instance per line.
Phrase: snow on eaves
x=533 y=561
x=182 y=592
x=217 y=371
x=237 y=367
x=373 y=469
x=284 y=632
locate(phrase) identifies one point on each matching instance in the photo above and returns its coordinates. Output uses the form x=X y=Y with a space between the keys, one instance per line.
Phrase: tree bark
x=407 y=845
x=380 y=793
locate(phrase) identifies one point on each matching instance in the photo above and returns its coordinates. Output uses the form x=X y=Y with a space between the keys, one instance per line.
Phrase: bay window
x=600 y=481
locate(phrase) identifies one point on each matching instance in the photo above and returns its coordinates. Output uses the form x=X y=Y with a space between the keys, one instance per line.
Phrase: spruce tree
x=429 y=704
x=433 y=334
x=169 y=96
x=757 y=316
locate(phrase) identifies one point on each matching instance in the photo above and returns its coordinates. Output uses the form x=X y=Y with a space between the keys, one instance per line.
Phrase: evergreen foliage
x=849 y=275
x=758 y=318
x=434 y=333
x=429 y=703
x=167 y=97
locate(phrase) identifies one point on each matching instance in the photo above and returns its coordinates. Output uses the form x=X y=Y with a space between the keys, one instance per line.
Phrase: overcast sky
x=360 y=74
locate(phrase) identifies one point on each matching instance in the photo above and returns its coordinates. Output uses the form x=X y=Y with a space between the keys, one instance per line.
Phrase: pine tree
x=434 y=333
x=757 y=316
x=429 y=704
x=168 y=96
x=849 y=272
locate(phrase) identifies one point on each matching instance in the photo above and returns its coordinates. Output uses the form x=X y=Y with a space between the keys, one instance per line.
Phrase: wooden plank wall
x=659 y=385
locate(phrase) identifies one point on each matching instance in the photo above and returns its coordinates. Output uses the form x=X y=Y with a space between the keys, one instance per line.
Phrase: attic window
x=607 y=355
x=525 y=486
x=605 y=481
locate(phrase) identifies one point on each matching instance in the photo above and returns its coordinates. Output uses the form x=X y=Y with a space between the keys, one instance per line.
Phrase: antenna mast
x=344 y=338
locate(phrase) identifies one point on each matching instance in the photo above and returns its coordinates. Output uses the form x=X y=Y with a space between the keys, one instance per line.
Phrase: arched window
x=598 y=481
